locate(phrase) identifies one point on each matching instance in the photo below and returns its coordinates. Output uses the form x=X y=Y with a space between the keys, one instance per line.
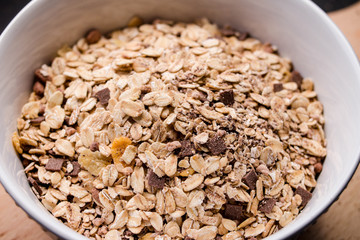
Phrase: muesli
x=172 y=131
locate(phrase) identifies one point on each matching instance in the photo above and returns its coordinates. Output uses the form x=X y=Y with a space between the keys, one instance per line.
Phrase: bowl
x=299 y=28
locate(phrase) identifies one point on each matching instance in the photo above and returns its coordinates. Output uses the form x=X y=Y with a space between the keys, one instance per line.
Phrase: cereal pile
x=172 y=131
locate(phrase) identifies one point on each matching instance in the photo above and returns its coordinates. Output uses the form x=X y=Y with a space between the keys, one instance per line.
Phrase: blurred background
x=9 y=8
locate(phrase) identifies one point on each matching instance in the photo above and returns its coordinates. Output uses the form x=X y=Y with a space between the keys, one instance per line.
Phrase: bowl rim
x=32 y=213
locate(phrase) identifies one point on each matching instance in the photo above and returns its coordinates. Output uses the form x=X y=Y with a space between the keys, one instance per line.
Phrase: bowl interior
x=301 y=31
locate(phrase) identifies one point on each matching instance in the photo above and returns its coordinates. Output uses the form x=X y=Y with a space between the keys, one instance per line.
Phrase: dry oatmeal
x=172 y=131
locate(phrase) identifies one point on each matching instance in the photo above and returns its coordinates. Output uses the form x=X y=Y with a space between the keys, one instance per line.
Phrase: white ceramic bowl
x=299 y=28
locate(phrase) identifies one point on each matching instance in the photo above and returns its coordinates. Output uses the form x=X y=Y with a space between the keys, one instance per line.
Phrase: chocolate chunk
x=296 y=77
x=187 y=149
x=216 y=145
x=304 y=194
x=227 y=97
x=278 y=87
x=267 y=205
x=94 y=146
x=234 y=212
x=218 y=238
x=42 y=78
x=93 y=36
x=76 y=169
x=95 y=195
x=250 y=179
x=38 y=88
x=37 y=121
x=155 y=181
x=103 y=96
x=35 y=185
x=54 y=164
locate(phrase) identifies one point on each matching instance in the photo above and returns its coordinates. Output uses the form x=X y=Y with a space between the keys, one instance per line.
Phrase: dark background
x=9 y=8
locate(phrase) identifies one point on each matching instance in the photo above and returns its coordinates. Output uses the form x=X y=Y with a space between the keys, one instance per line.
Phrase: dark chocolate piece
x=234 y=212
x=227 y=97
x=187 y=149
x=278 y=87
x=76 y=169
x=216 y=145
x=35 y=185
x=267 y=205
x=54 y=164
x=155 y=181
x=250 y=179
x=103 y=96
x=304 y=194
x=296 y=77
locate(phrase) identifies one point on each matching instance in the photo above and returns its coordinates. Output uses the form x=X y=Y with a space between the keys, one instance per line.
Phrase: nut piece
x=93 y=36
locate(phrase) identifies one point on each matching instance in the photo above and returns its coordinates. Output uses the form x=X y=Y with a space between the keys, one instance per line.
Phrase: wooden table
x=340 y=222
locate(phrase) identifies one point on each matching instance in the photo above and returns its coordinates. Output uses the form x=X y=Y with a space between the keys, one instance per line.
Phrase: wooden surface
x=340 y=222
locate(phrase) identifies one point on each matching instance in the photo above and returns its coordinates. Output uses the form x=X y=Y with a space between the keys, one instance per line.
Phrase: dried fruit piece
x=118 y=148
x=93 y=161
